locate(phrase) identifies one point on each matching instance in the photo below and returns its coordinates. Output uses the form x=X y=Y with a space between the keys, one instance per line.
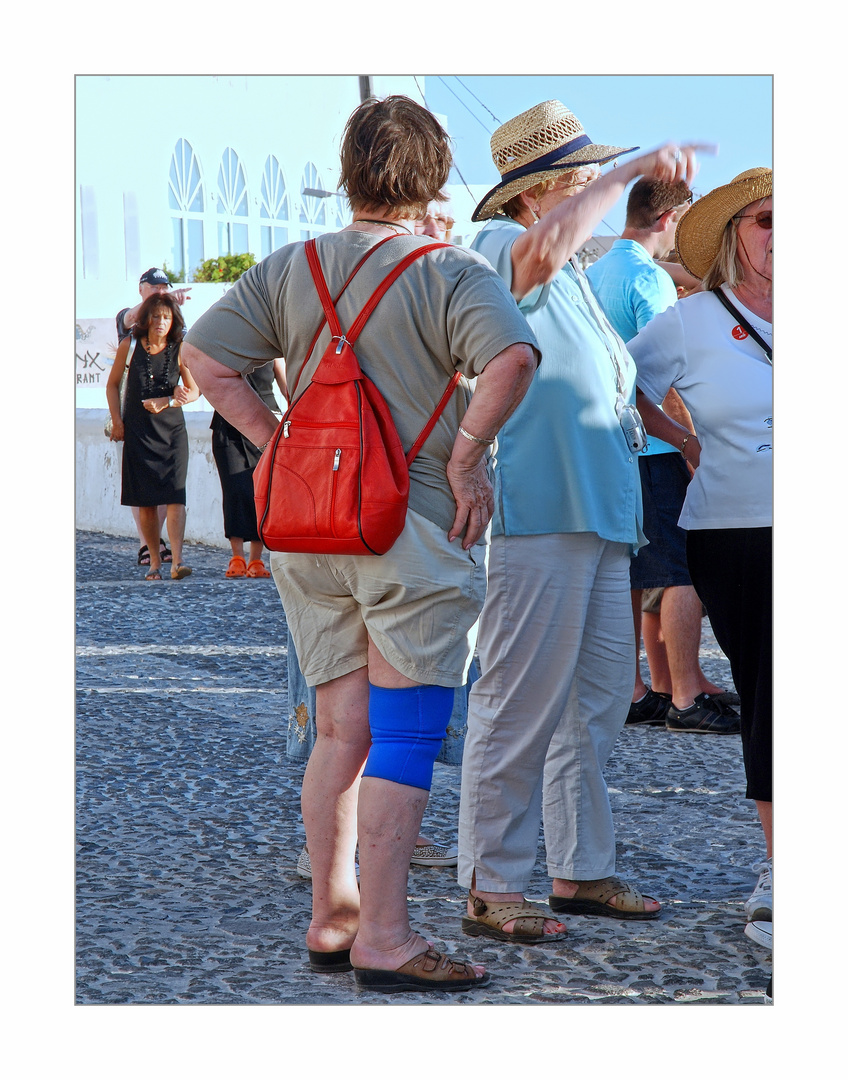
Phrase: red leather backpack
x=334 y=479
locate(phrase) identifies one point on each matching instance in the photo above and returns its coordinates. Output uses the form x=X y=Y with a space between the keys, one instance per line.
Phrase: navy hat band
x=551 y=158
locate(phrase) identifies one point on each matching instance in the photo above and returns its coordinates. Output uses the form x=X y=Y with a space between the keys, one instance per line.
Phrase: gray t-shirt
x=448 y=311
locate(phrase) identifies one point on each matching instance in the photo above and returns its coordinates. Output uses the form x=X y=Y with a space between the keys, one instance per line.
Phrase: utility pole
x=366 y=87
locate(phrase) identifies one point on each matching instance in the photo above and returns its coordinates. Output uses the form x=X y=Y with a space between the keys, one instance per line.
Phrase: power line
x=471 y=92
x=462 y=103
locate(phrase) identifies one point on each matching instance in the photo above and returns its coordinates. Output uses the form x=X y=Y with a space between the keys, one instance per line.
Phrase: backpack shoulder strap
x=383 y=288
x=365 y=314
x=317 y=273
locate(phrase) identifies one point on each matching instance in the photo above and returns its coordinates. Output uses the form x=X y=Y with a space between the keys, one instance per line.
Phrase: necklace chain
x=385 y=224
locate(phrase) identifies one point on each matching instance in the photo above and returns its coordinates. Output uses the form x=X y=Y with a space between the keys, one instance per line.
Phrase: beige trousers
x=557 y=654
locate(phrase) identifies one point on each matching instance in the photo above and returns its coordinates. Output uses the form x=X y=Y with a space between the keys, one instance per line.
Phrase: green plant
x=173 y=276
x=224 y=268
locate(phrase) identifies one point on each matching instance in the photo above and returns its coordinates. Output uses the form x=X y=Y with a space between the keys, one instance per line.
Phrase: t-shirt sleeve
x=659 y=353
x=648 y=298
x=242 y=330
x=119 y=325
x=483 y=319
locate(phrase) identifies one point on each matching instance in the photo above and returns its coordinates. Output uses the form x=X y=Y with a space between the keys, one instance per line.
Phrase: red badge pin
x=739 y=333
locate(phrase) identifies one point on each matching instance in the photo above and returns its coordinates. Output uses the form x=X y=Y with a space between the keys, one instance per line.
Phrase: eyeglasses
x=763 y=219
x=444 y=223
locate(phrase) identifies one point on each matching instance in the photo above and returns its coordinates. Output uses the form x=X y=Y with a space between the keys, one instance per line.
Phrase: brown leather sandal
x=490 y=916
x=593 y=898
x=429 y=970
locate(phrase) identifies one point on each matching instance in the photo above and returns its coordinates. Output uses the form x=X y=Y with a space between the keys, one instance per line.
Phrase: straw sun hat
x=698 y=236
x=547 y=138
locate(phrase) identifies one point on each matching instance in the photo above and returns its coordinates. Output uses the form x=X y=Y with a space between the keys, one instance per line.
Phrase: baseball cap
x=154 y=276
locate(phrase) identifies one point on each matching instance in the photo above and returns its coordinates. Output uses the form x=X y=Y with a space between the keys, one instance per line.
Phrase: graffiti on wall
x=95 y=347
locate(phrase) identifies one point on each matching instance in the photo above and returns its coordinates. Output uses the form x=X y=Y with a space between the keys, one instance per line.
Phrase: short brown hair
x=650 y=198
x=395 y=154
x=149 y=308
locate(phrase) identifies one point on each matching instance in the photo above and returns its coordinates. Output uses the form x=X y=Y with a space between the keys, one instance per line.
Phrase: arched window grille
x=186 y=201
x=232 y=205
x=274 y=208
x=313 y=209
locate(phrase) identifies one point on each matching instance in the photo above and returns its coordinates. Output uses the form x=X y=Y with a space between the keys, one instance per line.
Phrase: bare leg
x=176 y=531
x=681 y=615
x=389 y=819
x=639 y=688
x=148 y=519
x=328 y=800
x=372 y=921
x=256 y=548
x=764 y=810
x=237 y=546
x=655 y=650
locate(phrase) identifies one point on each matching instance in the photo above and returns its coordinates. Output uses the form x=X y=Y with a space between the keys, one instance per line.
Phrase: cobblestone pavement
x=188 y=824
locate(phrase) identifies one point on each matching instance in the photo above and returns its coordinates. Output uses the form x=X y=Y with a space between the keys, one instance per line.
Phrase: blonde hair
x=725 y=269
x=576 y=177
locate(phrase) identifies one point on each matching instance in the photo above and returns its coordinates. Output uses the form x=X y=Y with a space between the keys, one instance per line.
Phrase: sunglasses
x=763 y=219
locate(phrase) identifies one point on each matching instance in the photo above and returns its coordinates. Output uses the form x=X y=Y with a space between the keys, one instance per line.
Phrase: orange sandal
x=237 y=567
x=256 y=568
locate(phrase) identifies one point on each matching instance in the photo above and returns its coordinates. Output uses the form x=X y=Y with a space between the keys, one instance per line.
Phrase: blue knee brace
x=407 y=729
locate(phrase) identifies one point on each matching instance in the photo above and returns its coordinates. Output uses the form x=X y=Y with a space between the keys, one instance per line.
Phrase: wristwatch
x=172 y=403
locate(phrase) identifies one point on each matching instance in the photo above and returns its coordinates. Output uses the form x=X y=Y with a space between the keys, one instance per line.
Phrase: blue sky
x=734 y=111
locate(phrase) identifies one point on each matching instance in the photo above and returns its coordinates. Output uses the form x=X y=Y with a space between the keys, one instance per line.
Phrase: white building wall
x=126 y=130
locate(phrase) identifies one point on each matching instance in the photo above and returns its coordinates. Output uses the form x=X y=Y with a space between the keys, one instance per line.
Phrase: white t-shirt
x=725 y=381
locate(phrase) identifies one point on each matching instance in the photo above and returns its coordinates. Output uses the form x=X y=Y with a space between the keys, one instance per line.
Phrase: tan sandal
x=490 y=917
x=180 y=571
x=593 y=898
x=429 y=970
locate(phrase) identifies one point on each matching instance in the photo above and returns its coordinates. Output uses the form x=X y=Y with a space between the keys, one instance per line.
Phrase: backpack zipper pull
x=336 y=458
x=286 y=426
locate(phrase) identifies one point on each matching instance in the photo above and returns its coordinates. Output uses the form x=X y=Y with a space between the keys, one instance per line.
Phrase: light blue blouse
x=563 y=464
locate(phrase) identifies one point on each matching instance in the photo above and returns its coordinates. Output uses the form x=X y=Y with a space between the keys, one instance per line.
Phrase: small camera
x=632 y=426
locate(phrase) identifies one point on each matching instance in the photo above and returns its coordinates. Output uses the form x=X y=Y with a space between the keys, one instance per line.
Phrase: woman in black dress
x=152 y=429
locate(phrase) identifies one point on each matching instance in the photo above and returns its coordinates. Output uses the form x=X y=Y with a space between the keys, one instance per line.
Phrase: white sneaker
x=304 y=866
x=759 y=931
x=434 y=855
x=759 y=906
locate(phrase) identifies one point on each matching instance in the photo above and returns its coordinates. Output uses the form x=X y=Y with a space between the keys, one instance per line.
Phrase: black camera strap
x=722 y=296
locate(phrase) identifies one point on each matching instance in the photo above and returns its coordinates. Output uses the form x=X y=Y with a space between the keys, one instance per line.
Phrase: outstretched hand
x=674 y=162
x=475 y=501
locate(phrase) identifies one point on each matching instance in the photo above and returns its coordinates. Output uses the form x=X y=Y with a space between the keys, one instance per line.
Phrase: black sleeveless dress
x=155 y=458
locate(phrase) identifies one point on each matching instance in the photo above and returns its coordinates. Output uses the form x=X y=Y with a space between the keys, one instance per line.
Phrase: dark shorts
x=662 y=562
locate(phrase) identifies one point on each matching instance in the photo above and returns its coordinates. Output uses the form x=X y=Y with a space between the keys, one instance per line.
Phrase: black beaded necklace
x=148 y=363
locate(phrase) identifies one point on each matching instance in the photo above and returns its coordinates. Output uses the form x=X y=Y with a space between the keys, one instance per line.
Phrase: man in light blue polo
x=633 y=288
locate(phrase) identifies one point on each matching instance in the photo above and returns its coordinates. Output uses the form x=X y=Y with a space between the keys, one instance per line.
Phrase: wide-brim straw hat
x=547 y=138
x=698 y=236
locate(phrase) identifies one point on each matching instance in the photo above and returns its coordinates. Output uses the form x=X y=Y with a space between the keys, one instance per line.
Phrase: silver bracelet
x=473 y=438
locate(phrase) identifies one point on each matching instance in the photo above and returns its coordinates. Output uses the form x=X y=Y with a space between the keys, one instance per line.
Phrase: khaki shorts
x=419 y=603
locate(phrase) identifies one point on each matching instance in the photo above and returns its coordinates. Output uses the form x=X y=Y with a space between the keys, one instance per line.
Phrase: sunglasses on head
x=763 y=219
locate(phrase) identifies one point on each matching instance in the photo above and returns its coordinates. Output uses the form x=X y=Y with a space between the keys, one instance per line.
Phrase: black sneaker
x=650 y=711
x=704 y=716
